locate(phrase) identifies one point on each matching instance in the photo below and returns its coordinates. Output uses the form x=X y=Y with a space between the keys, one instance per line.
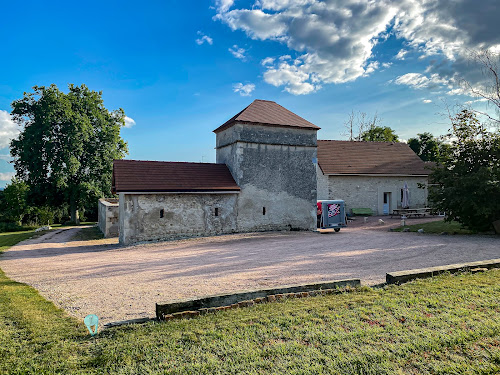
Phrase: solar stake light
x=91 y=321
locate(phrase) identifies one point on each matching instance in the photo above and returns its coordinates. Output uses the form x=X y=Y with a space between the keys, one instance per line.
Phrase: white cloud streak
x=244 y=90
x=129 y=122
x=203 y=39
x=8 y=129
x=6 y=176
x=238 y=52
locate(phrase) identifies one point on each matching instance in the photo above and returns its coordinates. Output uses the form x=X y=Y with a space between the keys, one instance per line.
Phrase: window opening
x=263 y=210
x=216 y=211
x=162 y=211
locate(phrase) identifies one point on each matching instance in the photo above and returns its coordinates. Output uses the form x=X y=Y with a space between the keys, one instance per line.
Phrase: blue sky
x=180 y=69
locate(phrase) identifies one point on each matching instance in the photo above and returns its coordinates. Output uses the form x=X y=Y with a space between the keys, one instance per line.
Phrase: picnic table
x=409 y=212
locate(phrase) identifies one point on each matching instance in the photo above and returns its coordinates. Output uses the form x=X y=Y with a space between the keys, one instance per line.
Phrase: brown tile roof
x=160 y=176
x=267 y=113
x=384 y=158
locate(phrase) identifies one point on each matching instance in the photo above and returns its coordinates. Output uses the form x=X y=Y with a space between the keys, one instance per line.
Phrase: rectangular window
x=263 y=210
x=161 y=213
x=216 y=211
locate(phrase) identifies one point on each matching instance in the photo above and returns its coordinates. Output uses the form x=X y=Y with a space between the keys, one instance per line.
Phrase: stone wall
x=275 y=170
x=368 y=191
x=108 y=216
x=162 y=216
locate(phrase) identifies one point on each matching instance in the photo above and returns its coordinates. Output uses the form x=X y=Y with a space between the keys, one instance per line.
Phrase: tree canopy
x=467 y=183
x=428 y=147
x=379 y=134
x=67 y=145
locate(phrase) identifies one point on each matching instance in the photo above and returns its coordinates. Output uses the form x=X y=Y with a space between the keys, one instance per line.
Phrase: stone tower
x=271 y=153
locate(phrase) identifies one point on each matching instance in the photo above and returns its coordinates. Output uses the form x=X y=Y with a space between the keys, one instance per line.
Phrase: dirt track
x=119 y=283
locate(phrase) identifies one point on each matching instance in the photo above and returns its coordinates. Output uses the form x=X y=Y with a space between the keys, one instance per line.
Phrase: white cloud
x=333 y=40
x=244 y=90
x=129 y=122
x=6 y=176
x=420 y=81
x=238 y=52
x=401 y=54
x=8 y=129
x=427 y=101
x=386 y=65
x=203 y=39
x=224 y=5
x=267 y=61
x=5 y=157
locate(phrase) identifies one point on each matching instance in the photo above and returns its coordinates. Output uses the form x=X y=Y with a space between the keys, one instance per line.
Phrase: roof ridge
x=165 y=161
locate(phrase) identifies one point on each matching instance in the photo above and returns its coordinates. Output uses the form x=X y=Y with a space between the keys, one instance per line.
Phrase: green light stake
x=91 y=321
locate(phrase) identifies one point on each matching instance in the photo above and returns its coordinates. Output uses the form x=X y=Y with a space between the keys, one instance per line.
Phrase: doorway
x=387 y=204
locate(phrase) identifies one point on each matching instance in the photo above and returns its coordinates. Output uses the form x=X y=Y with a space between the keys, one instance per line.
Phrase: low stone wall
x=108 y=211
x=193 y=307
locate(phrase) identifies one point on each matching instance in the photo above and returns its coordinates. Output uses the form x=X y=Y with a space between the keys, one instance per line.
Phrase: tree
x=489 y=91
x=357 y=123
x=427 y=147
x=379 y=134
x=467 y=183
x=15 y=201
x=67 y=145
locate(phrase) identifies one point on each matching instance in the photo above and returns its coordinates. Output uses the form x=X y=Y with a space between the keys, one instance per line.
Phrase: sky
x=179 y=69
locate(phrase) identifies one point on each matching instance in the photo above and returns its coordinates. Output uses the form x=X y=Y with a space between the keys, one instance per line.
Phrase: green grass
x=446 y=325
x=87 y=234
x=11 y=238
x=437 y=227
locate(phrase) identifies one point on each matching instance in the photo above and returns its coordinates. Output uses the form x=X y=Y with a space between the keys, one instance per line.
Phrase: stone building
x=270 y=171
x=370 y=174
x=264 y=179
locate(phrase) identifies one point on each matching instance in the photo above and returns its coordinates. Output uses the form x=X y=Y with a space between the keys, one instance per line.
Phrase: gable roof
x=270 y=113
x=160 y=176
x=380 y=158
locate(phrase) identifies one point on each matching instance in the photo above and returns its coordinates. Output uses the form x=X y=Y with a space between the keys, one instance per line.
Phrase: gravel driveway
x=119 y=283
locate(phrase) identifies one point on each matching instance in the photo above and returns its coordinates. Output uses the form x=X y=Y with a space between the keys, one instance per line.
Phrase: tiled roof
x=160 y=176
x=267 y=113
x=384 y=158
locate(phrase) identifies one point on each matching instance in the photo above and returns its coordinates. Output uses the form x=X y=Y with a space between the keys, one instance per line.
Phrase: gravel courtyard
x=119 y=283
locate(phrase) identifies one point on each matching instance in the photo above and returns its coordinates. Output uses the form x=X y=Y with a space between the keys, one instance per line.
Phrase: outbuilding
x=371 y=174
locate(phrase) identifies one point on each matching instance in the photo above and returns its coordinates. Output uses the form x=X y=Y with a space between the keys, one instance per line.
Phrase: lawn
x=437 y=227
x=448 y=324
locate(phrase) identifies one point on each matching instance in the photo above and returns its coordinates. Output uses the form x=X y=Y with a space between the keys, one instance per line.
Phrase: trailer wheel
x=337 y=229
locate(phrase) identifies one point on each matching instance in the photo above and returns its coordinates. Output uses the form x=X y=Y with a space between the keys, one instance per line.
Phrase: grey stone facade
x=108 y=216
x=274 y=168
x=368 y=191
x=164 y=216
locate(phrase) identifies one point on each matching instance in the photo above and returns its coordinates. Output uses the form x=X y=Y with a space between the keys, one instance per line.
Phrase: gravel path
x=119 y=283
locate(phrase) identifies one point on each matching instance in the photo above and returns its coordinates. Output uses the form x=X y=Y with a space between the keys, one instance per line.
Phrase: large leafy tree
x=428 y=147
x=379 y=134
x=467 y=182
x=67 y=145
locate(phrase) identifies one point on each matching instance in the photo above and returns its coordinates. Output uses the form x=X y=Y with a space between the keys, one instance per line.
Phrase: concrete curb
x=194 y=307
x=400 y=277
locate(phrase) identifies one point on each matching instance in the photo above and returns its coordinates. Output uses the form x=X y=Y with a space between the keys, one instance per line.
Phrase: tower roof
x=265 y=112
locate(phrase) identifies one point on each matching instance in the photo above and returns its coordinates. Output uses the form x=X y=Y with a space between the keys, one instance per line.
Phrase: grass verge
x=438 y=227
x=448 y=324
x=88 y=234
